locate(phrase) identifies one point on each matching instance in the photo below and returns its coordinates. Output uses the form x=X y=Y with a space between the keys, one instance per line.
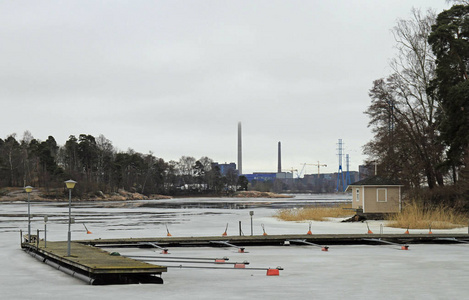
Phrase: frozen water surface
x=353 y=272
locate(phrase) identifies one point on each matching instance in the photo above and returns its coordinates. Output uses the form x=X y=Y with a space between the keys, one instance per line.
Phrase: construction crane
x=319 y=165
x=298 y=174
x=303 y=168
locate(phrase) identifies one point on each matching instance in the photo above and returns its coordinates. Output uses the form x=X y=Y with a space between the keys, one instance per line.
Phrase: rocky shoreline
x=41 y=195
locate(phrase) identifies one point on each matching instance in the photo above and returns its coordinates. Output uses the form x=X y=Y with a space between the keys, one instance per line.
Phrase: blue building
x=261 y=176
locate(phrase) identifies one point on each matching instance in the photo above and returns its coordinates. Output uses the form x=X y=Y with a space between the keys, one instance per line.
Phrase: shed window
x=358 y=195
x=382 y=195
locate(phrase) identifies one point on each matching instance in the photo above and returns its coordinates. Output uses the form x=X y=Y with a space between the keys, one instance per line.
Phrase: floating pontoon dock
x=93 y=265
x=277 y=240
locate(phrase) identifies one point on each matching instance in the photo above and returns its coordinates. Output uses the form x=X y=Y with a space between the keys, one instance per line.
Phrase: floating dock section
x=94 y=265
x=277 y=240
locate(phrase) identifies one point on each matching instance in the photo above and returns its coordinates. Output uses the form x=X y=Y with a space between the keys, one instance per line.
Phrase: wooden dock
x=277 y=240
x=94 y=265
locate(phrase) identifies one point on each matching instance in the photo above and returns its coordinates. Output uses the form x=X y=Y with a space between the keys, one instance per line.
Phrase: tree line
x=99 y=167
x=419 y=114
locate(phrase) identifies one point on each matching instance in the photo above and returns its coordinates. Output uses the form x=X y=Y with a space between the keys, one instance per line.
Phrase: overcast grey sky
x=175 y=77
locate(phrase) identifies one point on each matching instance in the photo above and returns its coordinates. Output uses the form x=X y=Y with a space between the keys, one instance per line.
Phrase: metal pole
x=240 y=228
x=69 y=220
x=251 y=213
x=29 y=220
x=45 y=235
x=46 y=218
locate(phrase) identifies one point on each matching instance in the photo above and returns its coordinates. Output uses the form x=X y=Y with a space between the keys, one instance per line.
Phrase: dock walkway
x=94 y=265
x=278 y=240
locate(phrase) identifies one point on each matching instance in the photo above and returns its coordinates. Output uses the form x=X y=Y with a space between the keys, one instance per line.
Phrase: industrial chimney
x=240 y=153
x=279 y=158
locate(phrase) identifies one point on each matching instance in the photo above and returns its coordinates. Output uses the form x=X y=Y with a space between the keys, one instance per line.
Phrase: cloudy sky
x=175 y=77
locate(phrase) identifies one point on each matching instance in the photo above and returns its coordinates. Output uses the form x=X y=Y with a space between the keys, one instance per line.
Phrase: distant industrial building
x=317 y=178
x=260 y=176
x=225 y=168
x=265 y=176
x=295 y=181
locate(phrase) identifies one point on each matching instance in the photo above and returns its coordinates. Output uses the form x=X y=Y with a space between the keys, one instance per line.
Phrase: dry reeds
x=314 y=213
x=414 y=216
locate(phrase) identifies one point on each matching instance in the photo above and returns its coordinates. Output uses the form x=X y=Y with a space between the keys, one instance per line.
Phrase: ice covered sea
x=354 y=272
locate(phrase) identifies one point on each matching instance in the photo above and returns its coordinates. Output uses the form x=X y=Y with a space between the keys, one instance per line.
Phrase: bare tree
x=402 y=112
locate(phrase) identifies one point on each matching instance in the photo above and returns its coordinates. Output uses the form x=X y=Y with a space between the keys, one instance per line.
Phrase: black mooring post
x=240 y=228
x=21 y=237
x=37 y=240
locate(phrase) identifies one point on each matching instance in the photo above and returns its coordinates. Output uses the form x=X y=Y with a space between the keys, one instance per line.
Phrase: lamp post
x=70 y=185
x=28 y=189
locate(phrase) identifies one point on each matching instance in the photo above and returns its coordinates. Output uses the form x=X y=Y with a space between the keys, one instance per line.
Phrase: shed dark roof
x=377 y=180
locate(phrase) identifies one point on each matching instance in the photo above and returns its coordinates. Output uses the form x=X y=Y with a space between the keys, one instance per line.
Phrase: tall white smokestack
x=240 y=152
x=279 y=170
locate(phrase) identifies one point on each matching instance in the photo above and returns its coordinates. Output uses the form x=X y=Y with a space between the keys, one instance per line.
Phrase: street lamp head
x=70 y=184
x=28 y=189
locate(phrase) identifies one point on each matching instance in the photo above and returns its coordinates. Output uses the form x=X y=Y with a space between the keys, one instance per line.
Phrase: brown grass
x=315 y=213
x=414 y=216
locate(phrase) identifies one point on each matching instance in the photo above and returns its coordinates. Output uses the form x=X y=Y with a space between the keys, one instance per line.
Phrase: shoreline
x=37 y=195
